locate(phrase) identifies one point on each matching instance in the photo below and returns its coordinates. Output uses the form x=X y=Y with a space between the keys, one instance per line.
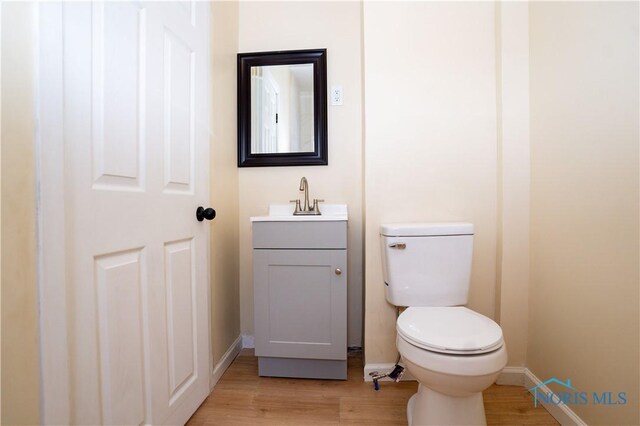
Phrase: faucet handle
x=316 y=208
x=298 y=209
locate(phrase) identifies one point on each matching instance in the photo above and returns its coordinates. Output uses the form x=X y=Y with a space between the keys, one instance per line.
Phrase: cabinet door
x=300 y=303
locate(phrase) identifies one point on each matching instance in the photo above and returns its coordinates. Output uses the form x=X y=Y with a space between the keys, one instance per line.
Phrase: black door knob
x=202 y=213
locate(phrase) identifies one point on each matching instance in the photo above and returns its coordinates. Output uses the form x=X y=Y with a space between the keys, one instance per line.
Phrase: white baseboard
x=225 y=361
x=248 y=341
x=385 y=368
x=512 y=376
x=561 y=412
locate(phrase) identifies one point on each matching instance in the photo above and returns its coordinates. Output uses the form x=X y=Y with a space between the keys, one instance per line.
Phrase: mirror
x=282 y=108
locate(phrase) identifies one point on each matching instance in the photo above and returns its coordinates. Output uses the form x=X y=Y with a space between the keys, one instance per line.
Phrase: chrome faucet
x=307 y=209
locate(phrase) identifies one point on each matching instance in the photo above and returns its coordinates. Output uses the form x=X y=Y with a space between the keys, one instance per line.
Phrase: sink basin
x=284 y=213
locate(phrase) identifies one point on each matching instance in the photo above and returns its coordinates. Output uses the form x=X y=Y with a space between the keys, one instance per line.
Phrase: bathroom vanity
x=300 y=293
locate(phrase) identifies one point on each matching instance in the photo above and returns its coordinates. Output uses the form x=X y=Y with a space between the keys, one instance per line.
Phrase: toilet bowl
x=454 y=353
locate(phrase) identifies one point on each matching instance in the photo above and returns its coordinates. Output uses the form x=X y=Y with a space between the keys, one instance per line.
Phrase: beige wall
x=20 y=364
x=584 y=318
x=512 y=298
x=266 y=26
x=225 y=304
x=430 y=153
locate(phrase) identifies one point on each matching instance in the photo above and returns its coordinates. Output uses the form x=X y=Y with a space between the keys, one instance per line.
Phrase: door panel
x=136 y=90
x=119 y=281
x=180 y=283
x=179 y=64
x=310 y=287
x=118 y=63
x=300 y=303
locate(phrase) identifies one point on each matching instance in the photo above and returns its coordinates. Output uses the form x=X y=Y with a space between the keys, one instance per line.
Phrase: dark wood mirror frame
x=319 y=157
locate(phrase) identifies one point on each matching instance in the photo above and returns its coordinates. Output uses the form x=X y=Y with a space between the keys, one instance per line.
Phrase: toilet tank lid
x=426 y=229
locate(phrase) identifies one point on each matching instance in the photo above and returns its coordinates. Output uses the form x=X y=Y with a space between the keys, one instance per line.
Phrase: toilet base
x=428 y=407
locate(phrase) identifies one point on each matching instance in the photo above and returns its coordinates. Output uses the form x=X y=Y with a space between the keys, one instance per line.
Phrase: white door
x=136 y=89
x=270 y=113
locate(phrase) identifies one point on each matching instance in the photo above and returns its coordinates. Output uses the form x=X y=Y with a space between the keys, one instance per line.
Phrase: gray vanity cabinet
x=300 y=298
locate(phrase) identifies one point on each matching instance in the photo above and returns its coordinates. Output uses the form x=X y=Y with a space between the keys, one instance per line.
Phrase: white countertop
x=284 y=213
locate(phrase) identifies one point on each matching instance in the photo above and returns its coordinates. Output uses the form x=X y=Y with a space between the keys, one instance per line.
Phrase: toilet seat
x=449 y=330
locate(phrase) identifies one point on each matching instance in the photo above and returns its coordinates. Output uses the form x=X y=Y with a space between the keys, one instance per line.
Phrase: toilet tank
x=427 y=264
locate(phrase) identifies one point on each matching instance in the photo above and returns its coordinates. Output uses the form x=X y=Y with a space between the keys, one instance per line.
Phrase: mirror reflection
x=282 y=116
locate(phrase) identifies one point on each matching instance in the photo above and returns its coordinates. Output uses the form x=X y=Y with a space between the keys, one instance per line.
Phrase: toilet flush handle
x=399 y=246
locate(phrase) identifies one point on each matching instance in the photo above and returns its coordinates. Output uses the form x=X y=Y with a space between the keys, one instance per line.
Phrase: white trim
x=512 y=376
x=52 y=289
x=248 y=341
x=386 y=367
x=225 y=362
x=561 y=412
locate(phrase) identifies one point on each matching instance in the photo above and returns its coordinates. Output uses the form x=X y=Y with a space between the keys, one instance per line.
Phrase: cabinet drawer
x=300 y=235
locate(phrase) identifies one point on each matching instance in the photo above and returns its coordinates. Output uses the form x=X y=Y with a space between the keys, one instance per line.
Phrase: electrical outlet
x=337 y=95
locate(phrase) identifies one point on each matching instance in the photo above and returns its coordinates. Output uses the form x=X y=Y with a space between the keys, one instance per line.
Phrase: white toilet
x=453 y=352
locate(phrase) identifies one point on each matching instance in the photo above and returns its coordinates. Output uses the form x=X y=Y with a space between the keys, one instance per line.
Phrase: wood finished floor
x=241 y=397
